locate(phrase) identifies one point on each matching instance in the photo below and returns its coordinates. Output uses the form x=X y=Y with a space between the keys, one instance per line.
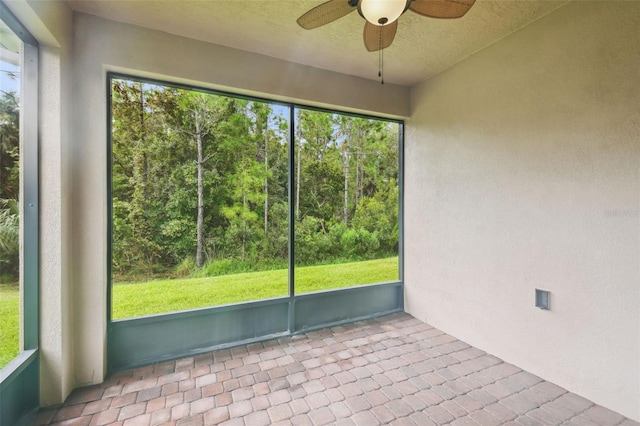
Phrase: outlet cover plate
x=542 y=299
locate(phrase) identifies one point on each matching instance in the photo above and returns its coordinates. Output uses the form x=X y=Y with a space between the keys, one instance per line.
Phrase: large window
x=18 y=189
x=346 y=203
x=208 y=189
x=10 y=59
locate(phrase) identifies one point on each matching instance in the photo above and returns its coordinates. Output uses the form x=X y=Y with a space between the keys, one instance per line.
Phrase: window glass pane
x=346 y=210
x=199 y=193
x=10 y=194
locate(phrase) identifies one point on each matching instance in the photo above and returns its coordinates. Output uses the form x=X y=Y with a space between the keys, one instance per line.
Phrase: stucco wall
x=523 y=172
x=123 y=47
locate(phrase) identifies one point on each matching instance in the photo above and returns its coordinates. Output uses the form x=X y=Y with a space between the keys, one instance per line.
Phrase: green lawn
x=153 y=297
x=9 y=322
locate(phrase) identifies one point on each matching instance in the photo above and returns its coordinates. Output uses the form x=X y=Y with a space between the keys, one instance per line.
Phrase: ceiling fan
x=382 y=15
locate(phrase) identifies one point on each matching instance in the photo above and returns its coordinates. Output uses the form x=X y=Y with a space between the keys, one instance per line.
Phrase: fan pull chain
x=380 y=57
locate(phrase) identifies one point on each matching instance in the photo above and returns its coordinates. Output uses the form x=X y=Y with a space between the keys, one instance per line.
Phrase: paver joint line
x=390 y=370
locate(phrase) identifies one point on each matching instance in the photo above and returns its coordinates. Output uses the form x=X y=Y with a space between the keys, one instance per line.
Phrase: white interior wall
x=523 y=172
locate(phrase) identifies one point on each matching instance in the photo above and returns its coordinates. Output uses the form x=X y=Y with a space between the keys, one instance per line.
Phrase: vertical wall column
x=56 y=325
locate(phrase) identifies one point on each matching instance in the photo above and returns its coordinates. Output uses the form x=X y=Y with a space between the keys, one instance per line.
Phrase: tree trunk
x=357 y=187
x=266 y=184
x=244 y=225
x=200 y=220
x=346 y=157
x=299 y=155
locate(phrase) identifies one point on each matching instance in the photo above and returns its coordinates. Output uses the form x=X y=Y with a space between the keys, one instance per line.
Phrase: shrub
x=359 y=244
x=218 y=267
x=186 y=267
x=9 y=242
x=312 y=245
x=178 y=237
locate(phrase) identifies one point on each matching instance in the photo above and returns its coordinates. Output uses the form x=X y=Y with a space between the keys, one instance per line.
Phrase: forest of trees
x=200 y=184
x=9 y=186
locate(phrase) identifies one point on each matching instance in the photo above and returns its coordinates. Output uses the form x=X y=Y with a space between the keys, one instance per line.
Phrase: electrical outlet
x=542 y=299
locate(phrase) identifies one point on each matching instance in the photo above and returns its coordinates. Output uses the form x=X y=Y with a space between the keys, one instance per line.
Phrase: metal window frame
x=20 y=379
x=138 y=341
x=30 y=197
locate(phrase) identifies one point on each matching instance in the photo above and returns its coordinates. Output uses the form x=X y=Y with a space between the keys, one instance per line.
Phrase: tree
x=199 y=178
x=9 y=184
x=318 y=167
x=9 y=238
x=246 y=180
x=9 y=146
x=136 y=132
x=212 y=123
x=268 y=130
x=199 y=110
x=352 y=139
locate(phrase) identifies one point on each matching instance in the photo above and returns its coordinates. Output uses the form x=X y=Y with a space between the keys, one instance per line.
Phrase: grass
x=9 y=323
x=159 y=296
x=154 y=297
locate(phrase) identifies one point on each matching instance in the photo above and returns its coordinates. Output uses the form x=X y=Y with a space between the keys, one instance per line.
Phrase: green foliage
x=378 y=215
x=9 y=146
x=323 y=182
x=9 y=185
x=9 y=242
x=216 y=268
x=9 y=323
x=178 y=237
x=312 y=242
x=186 y=268
x=133 y=299
x=341 y=275
x=204 y=178
x=9 y=233
x=359 y=243
x=276 y=242
x=225 y=267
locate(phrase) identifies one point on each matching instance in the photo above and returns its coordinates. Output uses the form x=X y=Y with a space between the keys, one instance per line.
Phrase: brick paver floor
x=391 y=370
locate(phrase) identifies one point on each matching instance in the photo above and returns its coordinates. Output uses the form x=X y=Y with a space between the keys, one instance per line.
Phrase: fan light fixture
x=381 y=17
x=382 y=12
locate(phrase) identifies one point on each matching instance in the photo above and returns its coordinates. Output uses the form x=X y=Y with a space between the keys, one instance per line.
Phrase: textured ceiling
x=422 y=47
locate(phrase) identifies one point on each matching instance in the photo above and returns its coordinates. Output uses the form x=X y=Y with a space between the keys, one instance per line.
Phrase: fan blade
x=378 y=37
x=443 y=9
x=325 y=13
